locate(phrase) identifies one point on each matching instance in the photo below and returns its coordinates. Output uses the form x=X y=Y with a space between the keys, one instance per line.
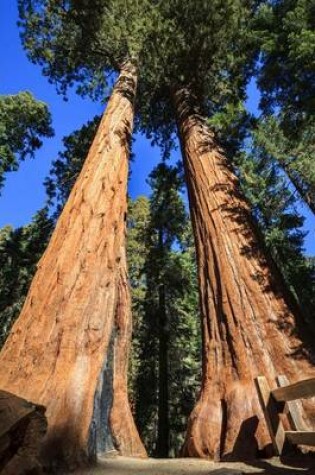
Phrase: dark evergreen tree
x=287 y=39
x=275 y=208
x=137 y=253
x=168 y=337
x=20 y=251
x=24 y=121
x=286 y=78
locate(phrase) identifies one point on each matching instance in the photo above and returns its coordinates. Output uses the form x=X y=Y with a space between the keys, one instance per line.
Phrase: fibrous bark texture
x=65 y=346
x=121 y=419
x=249 y=327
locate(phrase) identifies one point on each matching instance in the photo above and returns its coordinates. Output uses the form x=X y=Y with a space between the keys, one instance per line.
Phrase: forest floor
x=131 y=466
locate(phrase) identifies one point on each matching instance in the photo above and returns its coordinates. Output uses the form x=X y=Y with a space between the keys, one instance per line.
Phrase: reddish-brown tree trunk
x=248 y=323
x=67 y=351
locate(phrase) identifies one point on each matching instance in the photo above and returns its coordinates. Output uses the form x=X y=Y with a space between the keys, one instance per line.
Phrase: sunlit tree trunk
x=249 y=327
x=124 y=432
x=67 y=349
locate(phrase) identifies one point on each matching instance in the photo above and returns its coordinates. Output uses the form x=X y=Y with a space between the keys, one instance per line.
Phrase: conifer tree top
x=190 y=42
x=84 y=42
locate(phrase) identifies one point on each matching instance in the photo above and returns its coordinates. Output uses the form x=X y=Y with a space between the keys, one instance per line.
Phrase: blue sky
x=24 y=193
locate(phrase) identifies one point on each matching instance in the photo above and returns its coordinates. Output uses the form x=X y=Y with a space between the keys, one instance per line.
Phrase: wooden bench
x=284 y=400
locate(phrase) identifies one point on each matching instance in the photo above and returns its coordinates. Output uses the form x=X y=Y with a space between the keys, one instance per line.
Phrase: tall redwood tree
x=250 y=323
x=83 y=307
x=69 y=348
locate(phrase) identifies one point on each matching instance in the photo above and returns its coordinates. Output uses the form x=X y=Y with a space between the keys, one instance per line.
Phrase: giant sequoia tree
x=74 y=329
x=274 y=205
x=78 y=295
x=251 y=325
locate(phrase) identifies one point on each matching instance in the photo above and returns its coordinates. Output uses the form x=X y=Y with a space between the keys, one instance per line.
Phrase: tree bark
x=121 y=419
x=62 y=351
x=250 y=326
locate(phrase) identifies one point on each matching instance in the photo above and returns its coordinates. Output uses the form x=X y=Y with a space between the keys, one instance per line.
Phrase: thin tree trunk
x=162 y=446
x=305 y=191
x=248 y=323
x=59 y=351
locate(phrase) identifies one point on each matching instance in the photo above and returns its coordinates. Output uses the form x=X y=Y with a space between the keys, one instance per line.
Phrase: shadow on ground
x=286 y=466
x=131 y=466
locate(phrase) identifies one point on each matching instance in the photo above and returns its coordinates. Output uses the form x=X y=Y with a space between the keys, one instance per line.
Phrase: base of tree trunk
x=229 y=424
x=125 y=434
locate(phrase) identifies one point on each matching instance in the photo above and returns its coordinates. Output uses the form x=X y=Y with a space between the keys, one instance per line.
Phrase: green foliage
x=231 y=125
x=137 y=253
x=286 y=78
x=23 y=121
x=207 y=47
x=161 y=254
x=274 y=207
x=20 y=250
x=286 y=29
x=85 y=42
x=294 y=155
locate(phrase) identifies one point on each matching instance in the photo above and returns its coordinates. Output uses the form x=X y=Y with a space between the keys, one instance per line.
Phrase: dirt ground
x=131 y=466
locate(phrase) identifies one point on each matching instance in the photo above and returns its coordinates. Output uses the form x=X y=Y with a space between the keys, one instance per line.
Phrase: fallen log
x=22 y=428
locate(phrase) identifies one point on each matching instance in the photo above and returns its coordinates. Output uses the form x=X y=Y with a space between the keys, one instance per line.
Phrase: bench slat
x=269 y=407
x=293 y=409
x=300 y=390
x=301 y=437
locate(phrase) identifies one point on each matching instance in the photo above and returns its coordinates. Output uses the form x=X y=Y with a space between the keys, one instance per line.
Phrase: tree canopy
x=85 y=42
x=23 y=122
x=287 y=42
x=212 y=55
x=286 y=78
